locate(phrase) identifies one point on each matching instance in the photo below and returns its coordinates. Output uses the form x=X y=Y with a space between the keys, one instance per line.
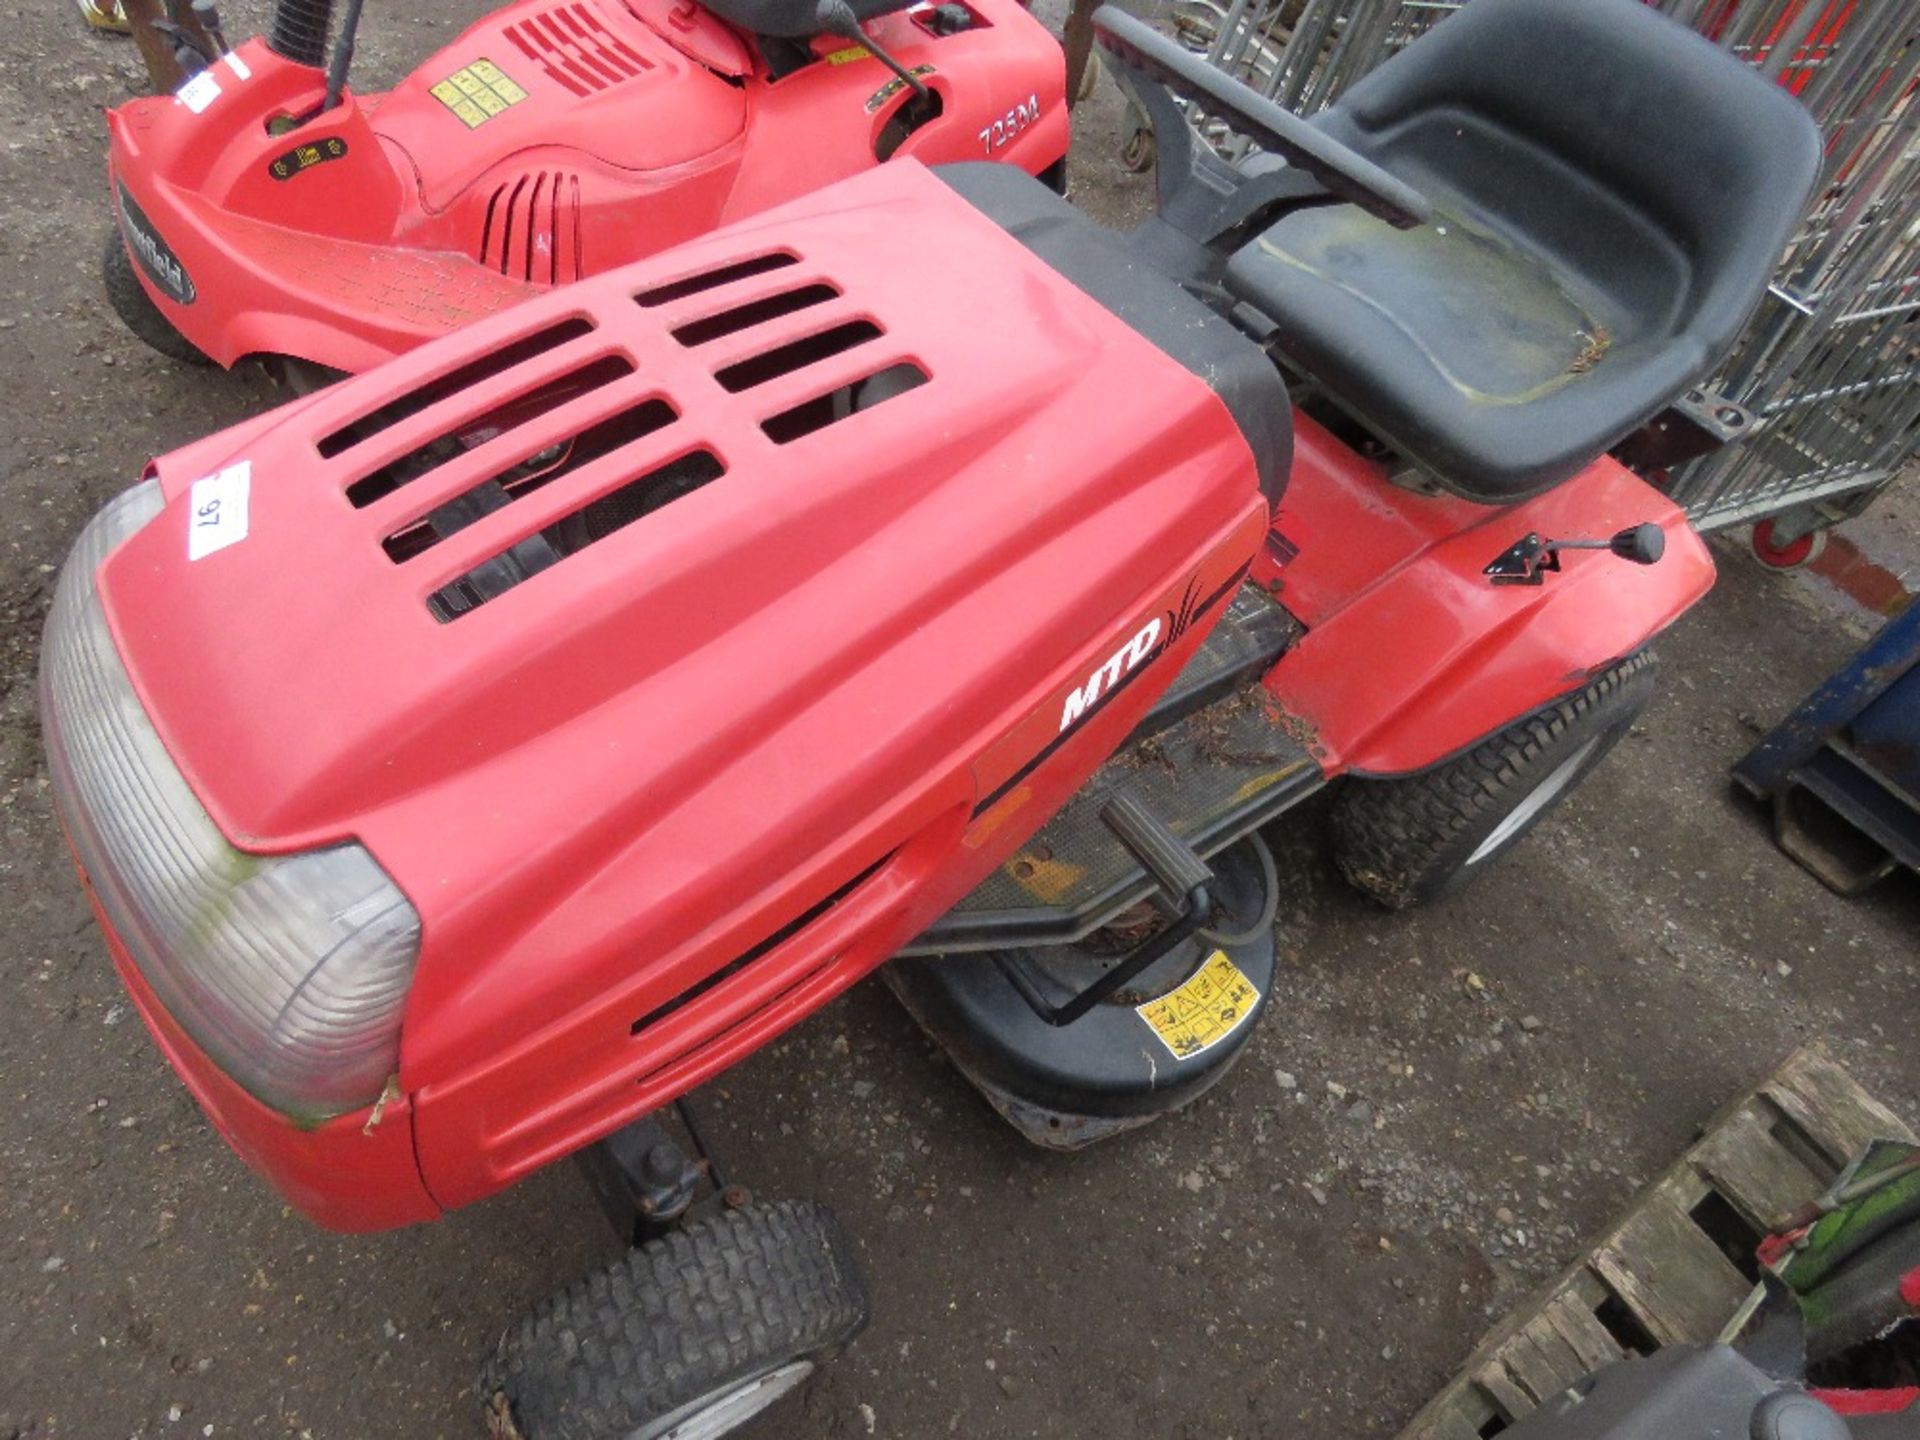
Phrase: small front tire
x=685 y=1337
x=136 y=309
x=1137 y=154
x=1413 y=838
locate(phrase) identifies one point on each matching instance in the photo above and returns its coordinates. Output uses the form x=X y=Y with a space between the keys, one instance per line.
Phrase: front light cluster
x=290 y=971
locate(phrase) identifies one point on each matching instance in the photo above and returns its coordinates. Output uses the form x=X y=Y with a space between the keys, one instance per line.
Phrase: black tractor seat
x=1611 y=194
x=791 y=19
x=1103 y=264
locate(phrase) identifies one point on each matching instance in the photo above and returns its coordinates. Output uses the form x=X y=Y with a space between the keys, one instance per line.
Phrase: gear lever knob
x=1643 y=544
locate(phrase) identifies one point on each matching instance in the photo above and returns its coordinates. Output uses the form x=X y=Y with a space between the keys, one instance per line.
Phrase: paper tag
x=239 y=67
x=199 y=92
x=217 y=510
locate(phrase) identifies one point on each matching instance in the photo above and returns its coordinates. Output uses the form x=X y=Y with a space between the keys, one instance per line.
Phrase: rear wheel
x=685 y=1337
x=1417 y=837
x=136 y=309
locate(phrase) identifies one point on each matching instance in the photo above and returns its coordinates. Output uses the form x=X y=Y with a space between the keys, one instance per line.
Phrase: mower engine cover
x=485 y=750
x=552 y=140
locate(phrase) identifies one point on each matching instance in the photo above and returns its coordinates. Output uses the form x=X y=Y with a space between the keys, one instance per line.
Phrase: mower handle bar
x=1136 y=46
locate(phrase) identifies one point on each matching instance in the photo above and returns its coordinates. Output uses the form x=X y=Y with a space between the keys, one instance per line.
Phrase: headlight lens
x=290 y=971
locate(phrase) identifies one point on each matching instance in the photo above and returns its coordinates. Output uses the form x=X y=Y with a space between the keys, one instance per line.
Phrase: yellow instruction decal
x=1216 y=1000
x=478 y=92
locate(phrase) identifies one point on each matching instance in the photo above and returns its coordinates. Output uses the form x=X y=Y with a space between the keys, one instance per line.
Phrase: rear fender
x=1431 y=658
x=260 y=333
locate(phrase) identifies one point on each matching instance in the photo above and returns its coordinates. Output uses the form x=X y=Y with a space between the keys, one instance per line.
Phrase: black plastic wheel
x=1137 y=154
x=136 y=309
x=686 y=1336
x=1417 y=837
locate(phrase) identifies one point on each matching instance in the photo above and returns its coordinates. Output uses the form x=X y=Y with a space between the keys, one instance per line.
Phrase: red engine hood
x=606 y=781
x=908 y=568
x=592 y=78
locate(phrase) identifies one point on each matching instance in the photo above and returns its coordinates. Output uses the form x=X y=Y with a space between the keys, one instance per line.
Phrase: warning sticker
x=1214 y=1002
x=304 y=157
x=478 y=92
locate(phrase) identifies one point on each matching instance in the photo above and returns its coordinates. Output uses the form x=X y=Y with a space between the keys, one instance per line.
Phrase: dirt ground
x=1308 y=1251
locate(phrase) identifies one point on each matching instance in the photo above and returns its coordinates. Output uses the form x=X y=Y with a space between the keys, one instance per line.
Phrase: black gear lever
x=1529 y=558
x=836 y=17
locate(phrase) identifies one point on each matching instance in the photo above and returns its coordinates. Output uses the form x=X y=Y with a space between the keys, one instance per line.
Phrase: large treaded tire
x=676 y=1323
x=136 y=309
x=1417 y=837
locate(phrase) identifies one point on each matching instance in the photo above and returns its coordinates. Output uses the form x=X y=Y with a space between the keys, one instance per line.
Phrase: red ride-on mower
x=268 y=210
x=915 y=570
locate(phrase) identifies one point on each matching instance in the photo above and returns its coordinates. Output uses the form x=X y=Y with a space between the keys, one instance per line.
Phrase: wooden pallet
x=1663 y=1275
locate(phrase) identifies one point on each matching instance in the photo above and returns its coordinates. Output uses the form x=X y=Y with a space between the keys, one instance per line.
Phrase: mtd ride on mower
x=916 y=567
x=268 y=210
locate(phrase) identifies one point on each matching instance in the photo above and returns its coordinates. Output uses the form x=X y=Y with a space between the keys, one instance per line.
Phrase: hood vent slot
x=575 y=531
x=795 y=355
x=532 y=229
x=754 y=312
x=485 y=368
x=713 y=279
x=573 y=47
x=471 y=433
x=817 y=911
x=882 y=382
x=846 y=400
x=523 y=478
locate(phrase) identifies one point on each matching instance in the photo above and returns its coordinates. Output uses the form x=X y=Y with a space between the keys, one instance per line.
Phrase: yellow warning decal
x=478 y=92
x=847 y=56
x=1216 y=1000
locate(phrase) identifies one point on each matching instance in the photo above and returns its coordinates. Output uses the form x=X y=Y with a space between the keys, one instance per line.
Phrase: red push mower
x=267 y=210
x=915 y=570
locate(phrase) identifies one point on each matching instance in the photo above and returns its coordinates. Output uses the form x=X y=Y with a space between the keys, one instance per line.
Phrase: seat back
x=1603 y=135
x=790 y=19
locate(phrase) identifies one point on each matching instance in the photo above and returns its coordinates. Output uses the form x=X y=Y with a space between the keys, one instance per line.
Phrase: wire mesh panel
x=1831 y=361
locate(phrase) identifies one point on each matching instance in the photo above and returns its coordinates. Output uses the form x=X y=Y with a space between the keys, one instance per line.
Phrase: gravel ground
x=1439 y=1108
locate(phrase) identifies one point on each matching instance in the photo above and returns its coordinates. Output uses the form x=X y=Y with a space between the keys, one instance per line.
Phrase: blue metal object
x=1843 y=771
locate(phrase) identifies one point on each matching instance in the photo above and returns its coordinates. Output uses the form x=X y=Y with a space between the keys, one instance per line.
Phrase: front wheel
x=1417 y=837
x=685 y=1337
x=136 y=309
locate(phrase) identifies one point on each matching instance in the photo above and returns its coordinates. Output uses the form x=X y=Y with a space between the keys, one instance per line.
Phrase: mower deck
x=1152 y=1048
x=1662 y=1276
x=1213 y=759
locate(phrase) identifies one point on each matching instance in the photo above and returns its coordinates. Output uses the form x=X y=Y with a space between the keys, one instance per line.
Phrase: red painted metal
x=1410 y=654
x=1774 y=1250
x=606 y=784
x=1870 y=1402
x=645 y=123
